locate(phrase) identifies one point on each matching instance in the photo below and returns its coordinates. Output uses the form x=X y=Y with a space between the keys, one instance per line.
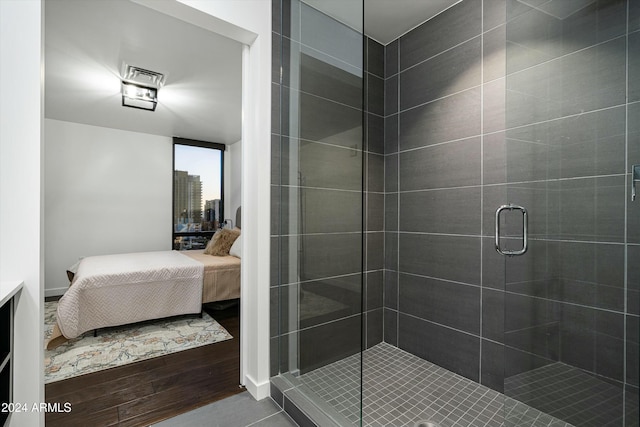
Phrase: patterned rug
x=125 y=344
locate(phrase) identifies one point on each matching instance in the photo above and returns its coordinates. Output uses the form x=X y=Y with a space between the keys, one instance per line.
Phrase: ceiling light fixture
x=136 y=96
x=140 y=87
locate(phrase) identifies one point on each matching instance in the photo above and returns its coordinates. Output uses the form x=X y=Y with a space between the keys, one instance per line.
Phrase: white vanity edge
x=9 y=289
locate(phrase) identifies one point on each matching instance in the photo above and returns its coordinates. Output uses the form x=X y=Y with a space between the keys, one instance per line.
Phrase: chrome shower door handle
x=525 y=231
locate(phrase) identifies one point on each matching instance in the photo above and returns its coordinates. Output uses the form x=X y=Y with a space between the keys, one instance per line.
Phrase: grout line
x=626 y=229
x=300 y=91
x=398 y=201
x=299 y=42
x=267 y=417
x=482 y=87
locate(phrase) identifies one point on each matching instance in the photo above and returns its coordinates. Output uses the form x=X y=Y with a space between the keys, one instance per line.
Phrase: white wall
x=21 y=62
x=254 y=16
x=106 y=191
x=20 y=195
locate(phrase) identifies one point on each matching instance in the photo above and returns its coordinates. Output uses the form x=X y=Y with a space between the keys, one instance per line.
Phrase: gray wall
x=453 y=154
x=317 y=182
x=438 y=90
x=374 y=192
x=442 y=152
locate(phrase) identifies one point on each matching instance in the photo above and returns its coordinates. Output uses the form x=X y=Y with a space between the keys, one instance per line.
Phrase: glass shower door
x=571 y=300
x=320 y=221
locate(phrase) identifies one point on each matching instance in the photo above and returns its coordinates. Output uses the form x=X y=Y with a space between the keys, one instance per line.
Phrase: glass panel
x=320 y=222
x=570 y=340
x=197 y=195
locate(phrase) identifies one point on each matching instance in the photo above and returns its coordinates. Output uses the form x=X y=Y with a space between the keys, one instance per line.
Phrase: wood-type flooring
x=152 y=390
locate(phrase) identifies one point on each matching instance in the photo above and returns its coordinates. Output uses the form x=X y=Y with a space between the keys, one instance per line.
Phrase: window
x=198 y=196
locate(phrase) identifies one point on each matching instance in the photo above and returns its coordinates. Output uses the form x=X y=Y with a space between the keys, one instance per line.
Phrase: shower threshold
x=400 y=389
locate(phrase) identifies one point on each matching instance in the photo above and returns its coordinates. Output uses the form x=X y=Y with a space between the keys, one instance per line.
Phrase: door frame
x=249 y=23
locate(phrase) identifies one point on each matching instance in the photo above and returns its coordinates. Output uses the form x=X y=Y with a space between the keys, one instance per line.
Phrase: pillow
x=236 y=248
x=221 y=242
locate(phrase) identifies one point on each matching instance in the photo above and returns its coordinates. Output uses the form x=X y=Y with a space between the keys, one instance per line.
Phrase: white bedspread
x=112 y=290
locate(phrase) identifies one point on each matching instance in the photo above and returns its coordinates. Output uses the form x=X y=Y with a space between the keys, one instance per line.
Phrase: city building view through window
x=197 y=193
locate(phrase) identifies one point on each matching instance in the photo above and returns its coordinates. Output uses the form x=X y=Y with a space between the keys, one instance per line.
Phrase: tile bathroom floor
x=400 y=389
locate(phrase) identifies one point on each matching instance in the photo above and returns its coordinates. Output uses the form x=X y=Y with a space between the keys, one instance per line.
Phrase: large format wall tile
x=375 y=251
x=634 y=67
x=587 y=145
x=493 y=106
x=633 y=280
x=375 y=134
x=593 y=340
x=341 y=254
x=375 y=95
x=518 y=361
x=375 y=211
x=494 y=13
x=494 y=158
x=592 y=274
x=391 y=95
x=391 y=136
x=454 y=164
x=310 y=164
x=596 y=23
x=391 y=212
x=375 y=328
x=452 y=71
x=633 y=335
x=375 y=172
x=447 y=119
x=313 y=209
x=451 y=211
x=340 y=339
x=583 y=81
x=325 y=300
x=453 y=350
x=494 y=61
x=374 y=290
x=531 y=46
x=375 y=58
x=594 y=78
x=321 y=78
x=321 y=120
x=492 y=374
x=453 y=27
x=391 y=173
x=447 y=303
x=441 y=256
x=593 y=209
x=493 y=315
x=391 y=326
x=330 y=36
x=493 y=266
x=391 y=58
x=391 y=289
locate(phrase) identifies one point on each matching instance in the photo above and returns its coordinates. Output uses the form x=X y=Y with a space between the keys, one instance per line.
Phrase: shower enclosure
x=454 y=239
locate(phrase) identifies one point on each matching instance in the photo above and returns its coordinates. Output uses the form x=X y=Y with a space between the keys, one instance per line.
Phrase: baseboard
x=55 y=292
x=258 y=391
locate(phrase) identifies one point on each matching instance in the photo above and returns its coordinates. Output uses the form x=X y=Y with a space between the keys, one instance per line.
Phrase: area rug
x=125 y=344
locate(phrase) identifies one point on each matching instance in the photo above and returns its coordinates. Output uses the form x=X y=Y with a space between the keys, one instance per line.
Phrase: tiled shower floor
x=567 y=392
x=400 y=389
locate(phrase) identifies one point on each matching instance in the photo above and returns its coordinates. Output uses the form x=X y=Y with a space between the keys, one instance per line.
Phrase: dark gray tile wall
x=328 y=147
x=478 y=113
x=507 y=113
x=276 y=341
x=568 y=153
x=375 y=96
x=434 y=301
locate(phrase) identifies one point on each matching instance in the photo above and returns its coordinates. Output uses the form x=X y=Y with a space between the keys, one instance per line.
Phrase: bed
x=113 y=290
